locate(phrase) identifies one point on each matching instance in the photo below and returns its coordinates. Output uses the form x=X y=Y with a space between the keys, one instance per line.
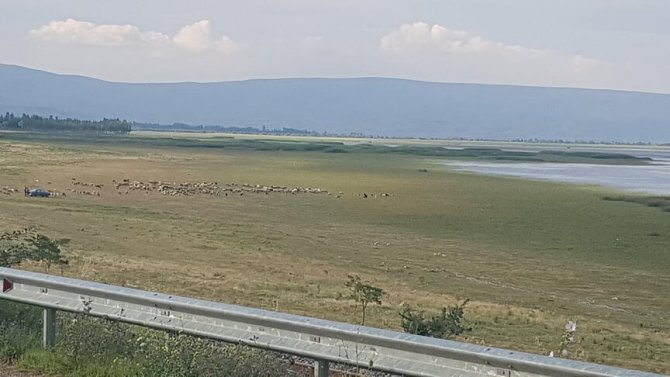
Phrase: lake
x=651 y=179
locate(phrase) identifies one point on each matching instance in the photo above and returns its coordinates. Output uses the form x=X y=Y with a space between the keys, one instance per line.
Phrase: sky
x=612 y=44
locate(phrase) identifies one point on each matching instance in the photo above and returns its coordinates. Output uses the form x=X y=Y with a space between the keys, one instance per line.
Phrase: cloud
x=419 y=35
x=198 y=38
x=88 y=33
x=195 y=38
x=420 y=40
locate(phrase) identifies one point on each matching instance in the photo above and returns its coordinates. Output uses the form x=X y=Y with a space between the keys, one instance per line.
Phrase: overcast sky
x=617 y=44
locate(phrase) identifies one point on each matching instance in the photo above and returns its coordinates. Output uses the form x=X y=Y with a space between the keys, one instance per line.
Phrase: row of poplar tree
x=27 y=122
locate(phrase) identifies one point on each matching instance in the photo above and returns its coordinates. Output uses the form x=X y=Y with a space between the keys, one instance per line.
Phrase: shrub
x=448 y=322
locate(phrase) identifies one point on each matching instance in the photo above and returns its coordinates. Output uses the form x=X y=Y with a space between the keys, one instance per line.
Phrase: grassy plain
x=530 y=255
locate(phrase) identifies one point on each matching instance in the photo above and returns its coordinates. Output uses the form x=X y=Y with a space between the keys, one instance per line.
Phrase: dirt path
x=8 y=371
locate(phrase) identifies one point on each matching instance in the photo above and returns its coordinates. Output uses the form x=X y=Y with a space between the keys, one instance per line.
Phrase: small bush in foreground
x=450 y=321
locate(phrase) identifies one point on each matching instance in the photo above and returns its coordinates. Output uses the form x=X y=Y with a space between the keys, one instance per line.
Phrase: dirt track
x=7 y=371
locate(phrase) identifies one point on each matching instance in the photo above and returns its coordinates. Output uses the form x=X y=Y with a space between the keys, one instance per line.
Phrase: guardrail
x=323 y=341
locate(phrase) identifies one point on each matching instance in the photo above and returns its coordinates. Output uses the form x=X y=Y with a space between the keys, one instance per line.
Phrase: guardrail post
x=321 y=368
x=49 y=328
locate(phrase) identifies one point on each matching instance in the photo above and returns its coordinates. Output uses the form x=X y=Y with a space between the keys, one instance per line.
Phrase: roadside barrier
x=323 y=341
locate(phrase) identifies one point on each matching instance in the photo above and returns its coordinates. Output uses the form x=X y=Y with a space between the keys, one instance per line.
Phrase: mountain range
x=370 y=106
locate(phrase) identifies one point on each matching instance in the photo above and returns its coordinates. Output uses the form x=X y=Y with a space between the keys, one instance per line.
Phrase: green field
x=530 y=255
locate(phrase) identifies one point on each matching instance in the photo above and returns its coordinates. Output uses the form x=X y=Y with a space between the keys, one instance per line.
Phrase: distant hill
x=372 y=106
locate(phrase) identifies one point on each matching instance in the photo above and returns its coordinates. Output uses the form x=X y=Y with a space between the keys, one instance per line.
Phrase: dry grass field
x=530 y=255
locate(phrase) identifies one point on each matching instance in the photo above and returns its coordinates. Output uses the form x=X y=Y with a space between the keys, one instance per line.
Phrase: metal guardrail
x=323 y=341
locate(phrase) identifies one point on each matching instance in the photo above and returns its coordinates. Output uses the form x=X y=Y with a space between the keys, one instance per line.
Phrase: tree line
x=27 y=122
x=182 y=127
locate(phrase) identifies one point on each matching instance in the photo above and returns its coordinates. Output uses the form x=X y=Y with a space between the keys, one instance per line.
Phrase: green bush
x=448 y=322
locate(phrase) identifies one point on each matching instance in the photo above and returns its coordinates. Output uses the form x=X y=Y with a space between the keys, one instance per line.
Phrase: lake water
x=651 y=179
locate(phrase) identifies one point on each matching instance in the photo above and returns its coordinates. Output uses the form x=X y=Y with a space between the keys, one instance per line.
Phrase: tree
x=450 y=321
x=11 y=256
x=45 y=250
x=363 y=293
x=54 y=124
x=13 y=248
x=27 y=244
